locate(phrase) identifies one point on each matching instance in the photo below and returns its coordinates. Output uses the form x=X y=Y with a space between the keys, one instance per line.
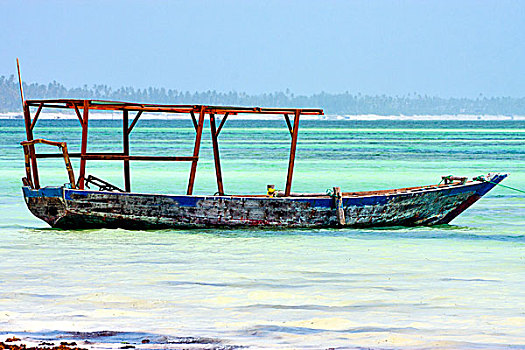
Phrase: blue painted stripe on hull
x=50 y=191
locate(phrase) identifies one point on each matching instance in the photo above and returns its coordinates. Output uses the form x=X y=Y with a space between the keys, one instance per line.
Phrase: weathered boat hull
x=62 y=207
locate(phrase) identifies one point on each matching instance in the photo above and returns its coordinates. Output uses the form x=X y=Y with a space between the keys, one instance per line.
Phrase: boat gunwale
x=361 y=194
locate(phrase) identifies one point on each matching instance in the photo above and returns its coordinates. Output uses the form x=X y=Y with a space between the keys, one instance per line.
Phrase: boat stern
x=46 y=203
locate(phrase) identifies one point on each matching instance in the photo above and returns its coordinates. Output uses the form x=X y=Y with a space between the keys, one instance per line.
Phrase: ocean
x=456 y=286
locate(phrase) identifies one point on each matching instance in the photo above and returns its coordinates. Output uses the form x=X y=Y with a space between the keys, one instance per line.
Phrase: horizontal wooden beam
x=147 y=107
x=95 y=156
x=45 y=142
x=117 y=156
x=71 y=155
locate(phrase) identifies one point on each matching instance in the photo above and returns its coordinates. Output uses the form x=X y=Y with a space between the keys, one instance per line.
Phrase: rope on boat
x=482 y=179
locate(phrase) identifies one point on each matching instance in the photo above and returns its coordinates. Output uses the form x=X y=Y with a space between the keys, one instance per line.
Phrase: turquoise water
x=453 y=286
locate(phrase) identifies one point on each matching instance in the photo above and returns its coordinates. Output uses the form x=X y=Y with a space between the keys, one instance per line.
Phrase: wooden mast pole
x=29 y=130
x=20 y=82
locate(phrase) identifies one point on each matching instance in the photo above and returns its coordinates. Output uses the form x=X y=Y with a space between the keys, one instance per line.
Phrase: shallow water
x=452 y=286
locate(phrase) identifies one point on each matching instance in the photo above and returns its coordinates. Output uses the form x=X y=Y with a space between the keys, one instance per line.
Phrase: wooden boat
x=74 y=206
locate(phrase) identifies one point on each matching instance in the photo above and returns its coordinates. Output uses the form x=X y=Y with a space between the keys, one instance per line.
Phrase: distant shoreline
x=364 y=117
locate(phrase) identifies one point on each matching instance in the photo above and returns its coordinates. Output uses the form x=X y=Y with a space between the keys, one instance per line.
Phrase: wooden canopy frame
x=197 y=112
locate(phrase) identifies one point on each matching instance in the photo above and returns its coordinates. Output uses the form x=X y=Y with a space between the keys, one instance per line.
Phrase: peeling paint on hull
x=71 y=209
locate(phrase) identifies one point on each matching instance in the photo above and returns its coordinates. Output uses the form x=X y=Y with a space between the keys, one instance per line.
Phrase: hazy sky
x=444 y=48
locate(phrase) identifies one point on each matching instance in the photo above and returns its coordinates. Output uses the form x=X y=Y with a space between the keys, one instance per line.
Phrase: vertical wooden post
x=338 y=201
x=292 y=153
x=69 y=167
x=196 y=149
x=83 y=146
x=125 y=138
x=216 y=156
x=29 y=135
x=27 y=160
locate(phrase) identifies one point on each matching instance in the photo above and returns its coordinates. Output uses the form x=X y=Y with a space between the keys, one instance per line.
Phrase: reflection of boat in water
x=74 y=206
